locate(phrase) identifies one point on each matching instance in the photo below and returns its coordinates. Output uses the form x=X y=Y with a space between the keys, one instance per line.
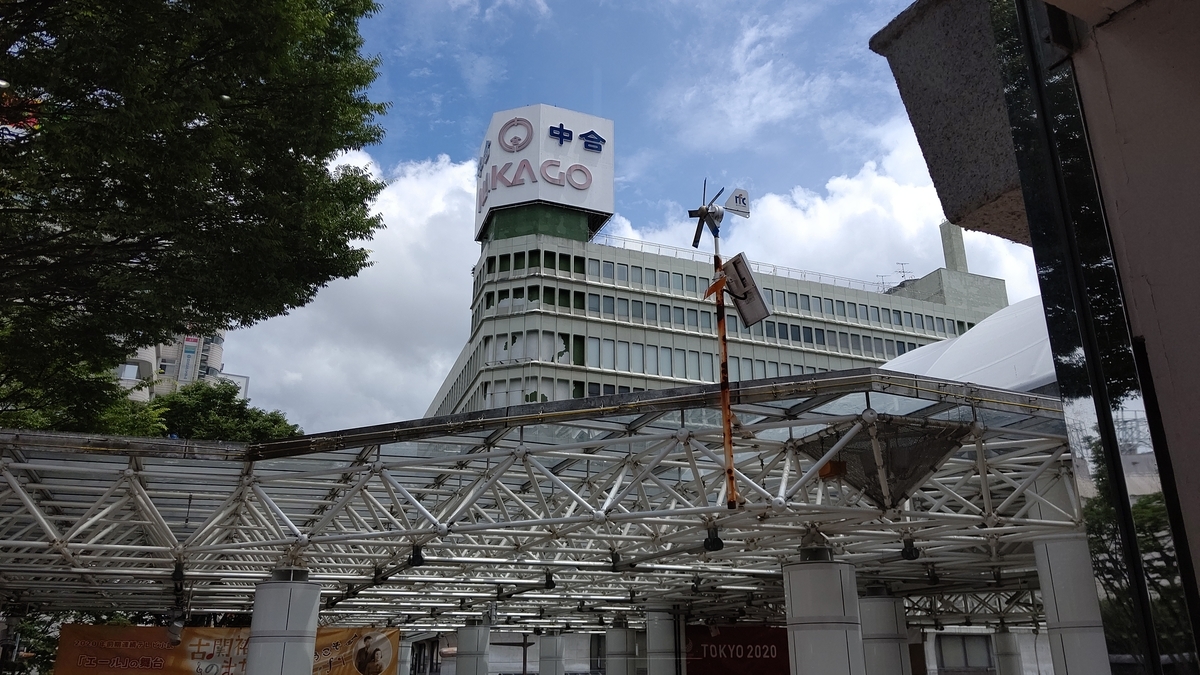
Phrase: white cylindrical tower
x=620 y=650
x=660 y=640
x=551 y=649
x=1008 y=653
x=824 y=633
x=472 y=655
x=283 y=628
x=884 y=635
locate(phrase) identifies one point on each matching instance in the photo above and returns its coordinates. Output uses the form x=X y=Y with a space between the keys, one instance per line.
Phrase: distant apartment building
x=164 y=368
x=558 y=312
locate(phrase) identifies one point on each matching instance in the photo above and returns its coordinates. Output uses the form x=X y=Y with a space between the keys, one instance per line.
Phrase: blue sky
x=781 y=98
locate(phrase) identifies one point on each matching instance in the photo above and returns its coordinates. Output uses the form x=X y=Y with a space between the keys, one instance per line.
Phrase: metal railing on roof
x=762 y=268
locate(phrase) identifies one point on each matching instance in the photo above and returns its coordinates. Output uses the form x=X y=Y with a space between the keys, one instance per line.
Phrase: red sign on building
x=737 y=650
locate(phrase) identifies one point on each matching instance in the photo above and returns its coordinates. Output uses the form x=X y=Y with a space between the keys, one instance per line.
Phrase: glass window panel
x=920 y=321
x=852 y=310
x=664 y=279
x=841 y=308
x=610 y=305
x=593 y=267
x=636 y=310
x=636 y=361
x=844 y=340
x=706 y=367
x=579 y=295
x=747 y=369
x=623 y=308
x=804 y=302
x=808 y=335
x=820 y=335
x=664 y=313
x=792 y=300
x=664 y=361
x=608 y=350
x=491 y=264
x=622 y=272
x=760 y=369
x=829 y=305
x=651 y=311
x=951 y=651
x=593 y=388
x=785 y=369
x=676 y=281
x=679 y=361
x=593 y=352
x=706 y=320
x=609 y=270
x=651 y=360
x=650 y=276
x=678 y=315
x=757 y=329
x=579 y=269
x=505 y=262
x=734 y=371
x=796 y=333
x=693 y=318
x=856 y=343
x=689 y=283
x=770 y=328
x=900 y=348
x=635 y=275
x=768 y=296
x=772 y=369
x=780 y=299
x=978 y=653
x=693 y=365
x=941 y=325
x=874 y=313
x=623 y=356
x=896 y=317
x=593 y=302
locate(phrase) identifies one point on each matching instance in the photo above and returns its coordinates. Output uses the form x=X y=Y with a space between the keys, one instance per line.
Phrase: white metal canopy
x=561 y=514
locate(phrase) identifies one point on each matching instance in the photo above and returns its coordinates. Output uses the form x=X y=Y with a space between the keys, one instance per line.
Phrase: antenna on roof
x=905 y=275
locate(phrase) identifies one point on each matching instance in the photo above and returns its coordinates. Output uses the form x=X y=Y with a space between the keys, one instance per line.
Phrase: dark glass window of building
x=796 y=333
x=651 y=311
x=610 y=304
x=519 y=260
x=677 y=281
x=678 y=316
x=808 y=335
x=664 y=279
x=770 y=326
x=579 y=300
x=579 y=264
x=593 y=302
x=622 y=272
x=593 y=267
x=841 y=308
x=610 y=270
x=804 y=302
x=635 y=275
x=637 y=309
x=535 y=258
x=829 y=305
x=491 y=264
x=505 y=262
x=689 y=283
x=820 y=336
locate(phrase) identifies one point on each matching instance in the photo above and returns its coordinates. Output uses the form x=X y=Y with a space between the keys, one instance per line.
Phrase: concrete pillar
x=660 y=640
x=884 y=635
x=551 y=649
x=1008 y=653
x=472 y=655
x=283 y=628
x=620 y=650
x=1069 y=595
x=824 y=634
x=404 y=658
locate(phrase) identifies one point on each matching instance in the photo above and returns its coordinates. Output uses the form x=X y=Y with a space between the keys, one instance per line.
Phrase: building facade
x=164 y=368
x=558 y=313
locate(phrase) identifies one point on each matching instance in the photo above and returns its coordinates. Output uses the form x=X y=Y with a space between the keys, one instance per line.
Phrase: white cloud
x=376 y=348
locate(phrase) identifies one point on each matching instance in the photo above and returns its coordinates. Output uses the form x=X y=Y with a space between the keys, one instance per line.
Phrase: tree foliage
x=164 y=170
x=217 y=413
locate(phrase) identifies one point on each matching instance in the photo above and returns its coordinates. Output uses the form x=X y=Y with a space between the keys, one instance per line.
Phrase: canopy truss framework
x=554 y=515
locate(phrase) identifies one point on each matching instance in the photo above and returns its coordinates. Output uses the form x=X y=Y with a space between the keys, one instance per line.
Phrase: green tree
x=164 y=170
x=217 y=413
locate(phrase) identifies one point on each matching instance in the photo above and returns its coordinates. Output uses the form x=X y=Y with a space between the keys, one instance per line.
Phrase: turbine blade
x=704 y=191
x=710 y=203
x=699 y=231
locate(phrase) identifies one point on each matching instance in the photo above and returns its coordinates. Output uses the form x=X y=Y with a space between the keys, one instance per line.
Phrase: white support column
x=884 y=635
x=404 y=658
x=660 y=640
x=824 y=634
x=1008 y=653
x=551 y=649
x=620 y=649
x=1064 y=566
x=283 y=628
x=472 y=655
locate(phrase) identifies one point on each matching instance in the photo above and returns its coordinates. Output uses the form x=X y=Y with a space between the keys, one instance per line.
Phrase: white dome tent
x=1008 y=350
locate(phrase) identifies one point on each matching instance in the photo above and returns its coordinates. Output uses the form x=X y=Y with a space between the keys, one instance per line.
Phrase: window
x=734 y=371
x=890 y=347
x=622 y=272
x=785 y=369
x=576 y=389
x=779 y=299
x=491 y=264
x=760 y=369
x=900 y=348
x=610 y=305
x=693 y=365
x=593 y=352
x=664 y=279
x=636 y=309
x=920 y=321
x=564 y=263
x=705 y=282
x=878 y=347
x=757 y=329
x=635 y=275
x=519 y=260
x=664 y=313
x=535 y=293
x=664 y=361
x=564 y=296
x=908 y=319
x=941 y=325
x=518 y=294
x=964 y=652
x=912 y=346
x=610 y=389
x=608 y=350
x=579 y=264
x=747 y=369
x=678 y=316
x=808 y=335
x=593 y=388
x=844 y=340
x=489 y=299
x=693 y=318
x=577 y=342
x=829 y=305
x=772 y=369
x=841 y=308
x=548 y=259
x=796 y=333
x=651 y=311
x=770 y=326
x=856 y=343
x=676 y=281
x=622 y=308
x=928 y=322
x=962 y=327
x=651 y=358
x=609 y=270
x=768 y=296
x=505 y=262
x=593 y=267
x=875 y=314
x=804 y=303
x=783 y=330
x=593 y=302
x=896 y=318
x=820 y=336
x=689 y=283
x=792 y=301
x=579 y=300
x=706 y=320
x=636 y=360
x=852 y=310
x=706 y=367
x=650 y=276
x=535 y=258
x=732 y=322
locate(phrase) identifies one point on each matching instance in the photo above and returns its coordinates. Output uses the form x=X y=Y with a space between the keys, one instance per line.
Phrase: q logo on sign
x=516 y=143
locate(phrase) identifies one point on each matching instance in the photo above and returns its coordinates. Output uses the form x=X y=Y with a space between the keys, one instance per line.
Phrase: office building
x=164 y=368
x=558 y=312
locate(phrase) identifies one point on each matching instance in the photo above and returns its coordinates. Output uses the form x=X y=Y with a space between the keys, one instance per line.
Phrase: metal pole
x=726 y=413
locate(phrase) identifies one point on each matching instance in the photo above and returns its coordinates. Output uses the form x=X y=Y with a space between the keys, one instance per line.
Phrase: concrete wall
x=1139 y=83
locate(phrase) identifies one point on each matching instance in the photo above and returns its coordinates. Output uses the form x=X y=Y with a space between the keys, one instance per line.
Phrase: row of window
x=675 y=281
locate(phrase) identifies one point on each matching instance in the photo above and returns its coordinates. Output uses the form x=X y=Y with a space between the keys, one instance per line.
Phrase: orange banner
x=120 y=650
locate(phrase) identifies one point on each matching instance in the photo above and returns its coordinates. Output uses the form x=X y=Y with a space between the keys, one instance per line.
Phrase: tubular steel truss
x=549 y=514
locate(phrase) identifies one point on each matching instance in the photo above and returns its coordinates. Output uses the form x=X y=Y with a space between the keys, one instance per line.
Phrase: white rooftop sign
x=543 y=153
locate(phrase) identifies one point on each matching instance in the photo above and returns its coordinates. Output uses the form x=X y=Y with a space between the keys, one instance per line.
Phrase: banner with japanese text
x=119 y=650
